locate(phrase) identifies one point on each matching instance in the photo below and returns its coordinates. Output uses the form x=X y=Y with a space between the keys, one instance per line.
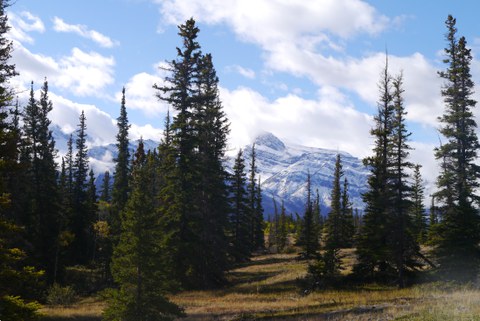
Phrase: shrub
x=60 y=295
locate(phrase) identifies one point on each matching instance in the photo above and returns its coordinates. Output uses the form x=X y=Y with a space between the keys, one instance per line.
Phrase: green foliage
x=194 y=197
x=309 y=238
x=138 y=265
x=386 y=247
x=458 y=230
x=14 y=308
x=240 y=216
x=60 y=295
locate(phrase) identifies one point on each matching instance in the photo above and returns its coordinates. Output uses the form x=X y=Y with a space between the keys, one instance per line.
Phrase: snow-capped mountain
x=283 y=169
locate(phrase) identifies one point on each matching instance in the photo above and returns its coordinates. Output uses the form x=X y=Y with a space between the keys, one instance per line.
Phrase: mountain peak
x=269 y=140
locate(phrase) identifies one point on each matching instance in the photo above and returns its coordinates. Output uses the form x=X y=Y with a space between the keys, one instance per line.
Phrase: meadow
x=268 y=288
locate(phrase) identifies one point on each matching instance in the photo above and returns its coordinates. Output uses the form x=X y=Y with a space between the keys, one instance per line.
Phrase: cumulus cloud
x=61 y=26
x=329 y=121
x=82 y=73
x=22 y=24
x=299 y=46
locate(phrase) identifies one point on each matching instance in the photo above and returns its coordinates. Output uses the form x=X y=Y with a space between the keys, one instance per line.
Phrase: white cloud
x=21 y=25
x=329 y=122
x=82 y=73
x=61 y=26
x=245 y=72
x=267 y=21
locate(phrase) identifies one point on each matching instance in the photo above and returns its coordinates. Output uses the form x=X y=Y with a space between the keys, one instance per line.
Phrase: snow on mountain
x=282 y=167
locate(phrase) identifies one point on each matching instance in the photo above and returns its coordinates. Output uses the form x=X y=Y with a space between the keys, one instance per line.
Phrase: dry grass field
x=267 y=289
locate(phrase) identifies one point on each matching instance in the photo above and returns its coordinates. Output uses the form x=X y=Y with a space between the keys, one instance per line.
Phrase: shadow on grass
x=73 y=318
x=265 y=261
x=311 y=314
x=238 y=278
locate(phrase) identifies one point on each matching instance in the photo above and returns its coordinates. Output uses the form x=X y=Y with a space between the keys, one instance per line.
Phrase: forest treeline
x=173 y=218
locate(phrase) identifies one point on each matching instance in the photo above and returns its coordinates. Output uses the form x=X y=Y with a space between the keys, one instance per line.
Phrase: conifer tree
x=418 y=209
x=259 y=233
x=333 y=225
x=240 y=212
x=13 y=272
x=348 y=226
x=402 y=243
x=194 y=200
x=372 y=248
x=458 y=233
x=138 y=266
x=252 y=194
x=121 y=172
x=82 y=219
x=212 y=194
x=308 y=239
x=105 y=195
x=43 y=202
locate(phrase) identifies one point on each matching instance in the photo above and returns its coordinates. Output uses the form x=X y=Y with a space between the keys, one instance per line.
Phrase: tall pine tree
x=457 y=244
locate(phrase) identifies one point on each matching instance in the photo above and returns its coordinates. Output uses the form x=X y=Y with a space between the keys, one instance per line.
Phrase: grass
x=267 y=289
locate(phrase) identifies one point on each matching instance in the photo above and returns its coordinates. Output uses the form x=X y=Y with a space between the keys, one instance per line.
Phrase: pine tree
x=212 y=193
x=333 y=225
x=239 y=220
x=105 y=195
x=42 y=194
x=252 y=194
x=180 y=210
x=82 y=220
x=259 y=233
x=372 y=247
x=122 y=171
x=308 y=239
x=138 y=266
x=194 y=201
x=418 y=209
x=348 y=226
x=402 y=243
x=13 y=272
x=457 y=245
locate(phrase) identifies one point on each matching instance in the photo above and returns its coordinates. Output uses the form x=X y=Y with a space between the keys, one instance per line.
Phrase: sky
x=306 y=71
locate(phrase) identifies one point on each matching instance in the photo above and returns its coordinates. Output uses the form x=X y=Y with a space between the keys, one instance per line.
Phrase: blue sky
x=306 y=71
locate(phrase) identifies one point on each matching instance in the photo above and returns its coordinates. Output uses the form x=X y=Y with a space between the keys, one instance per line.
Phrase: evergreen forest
x=173 y=220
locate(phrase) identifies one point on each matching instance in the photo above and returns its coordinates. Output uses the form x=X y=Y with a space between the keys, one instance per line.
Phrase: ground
x=267 y=289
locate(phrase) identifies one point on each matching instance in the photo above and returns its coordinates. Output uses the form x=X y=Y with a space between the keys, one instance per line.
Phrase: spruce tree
x=348 y=226
x=403 y=245
x=418 y=209
x=14 y=274
x=138 y=266
x=105 y=194
x=457 y=245
x=121 y=172
x=211 y=194
x=194 y=201
x=82 y=219
x=309 y=239
x=252 y=194
x=42 y=195
x=239 y=219
x=372 y=248
x=259 y=233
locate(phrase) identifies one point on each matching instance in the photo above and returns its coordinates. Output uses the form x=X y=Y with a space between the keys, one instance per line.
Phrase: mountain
x=283 y=169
